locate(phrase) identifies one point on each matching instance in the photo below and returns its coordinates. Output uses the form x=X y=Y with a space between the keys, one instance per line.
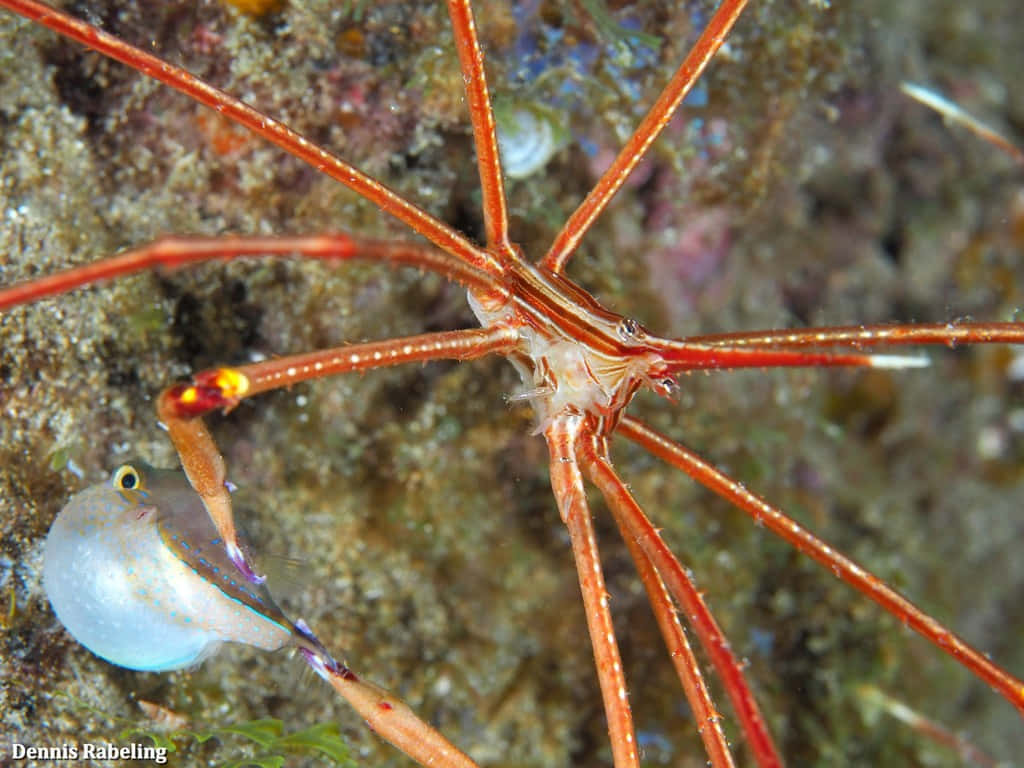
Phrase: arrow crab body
x=471 y=619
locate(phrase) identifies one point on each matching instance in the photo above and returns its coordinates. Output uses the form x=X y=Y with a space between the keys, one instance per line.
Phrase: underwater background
x=798 y=186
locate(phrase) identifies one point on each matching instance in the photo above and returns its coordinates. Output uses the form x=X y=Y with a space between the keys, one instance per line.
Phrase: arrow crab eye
x=628 y=329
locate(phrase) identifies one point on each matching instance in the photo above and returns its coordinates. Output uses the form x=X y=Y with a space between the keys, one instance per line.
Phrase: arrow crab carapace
x=255 y=328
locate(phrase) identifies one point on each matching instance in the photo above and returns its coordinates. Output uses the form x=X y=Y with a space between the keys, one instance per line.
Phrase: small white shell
x=528 y=137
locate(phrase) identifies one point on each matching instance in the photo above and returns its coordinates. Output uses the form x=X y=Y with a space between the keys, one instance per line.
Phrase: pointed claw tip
x=900 y=361
x=242 y=564
x=316 y=663
x=323 y=657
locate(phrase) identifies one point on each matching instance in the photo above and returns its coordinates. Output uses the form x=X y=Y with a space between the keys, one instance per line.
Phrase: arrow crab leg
x=170 y=253
x=1011 y=688
x=564 y=437
x=635 y=528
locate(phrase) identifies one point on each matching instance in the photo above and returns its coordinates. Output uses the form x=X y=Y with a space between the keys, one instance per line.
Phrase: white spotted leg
x=565 y=435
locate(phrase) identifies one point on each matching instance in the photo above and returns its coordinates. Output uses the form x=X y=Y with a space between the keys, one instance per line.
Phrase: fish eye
x=127 y=478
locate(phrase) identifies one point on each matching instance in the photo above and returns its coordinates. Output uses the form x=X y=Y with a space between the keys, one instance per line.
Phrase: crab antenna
x=681 y=356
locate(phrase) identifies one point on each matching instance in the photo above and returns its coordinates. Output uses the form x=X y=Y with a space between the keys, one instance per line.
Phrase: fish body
x=136 y=573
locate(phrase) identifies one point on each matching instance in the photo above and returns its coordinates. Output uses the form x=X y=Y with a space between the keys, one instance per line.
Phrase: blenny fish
x=135 y=571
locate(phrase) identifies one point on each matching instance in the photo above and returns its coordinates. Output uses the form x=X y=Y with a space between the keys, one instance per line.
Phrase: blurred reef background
x=797 y=186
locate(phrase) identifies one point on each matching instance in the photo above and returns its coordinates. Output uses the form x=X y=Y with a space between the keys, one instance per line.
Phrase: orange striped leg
x=680 y=585
x=643 y=137
x=175 y=252
x=471 y=60
x=391 y=718
x=598 y=467
x=565 y=436
x=236 y=110
x=853 y=574
x=181 y=406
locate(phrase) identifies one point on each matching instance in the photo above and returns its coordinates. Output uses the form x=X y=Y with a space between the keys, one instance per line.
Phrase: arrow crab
x=440 y=567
